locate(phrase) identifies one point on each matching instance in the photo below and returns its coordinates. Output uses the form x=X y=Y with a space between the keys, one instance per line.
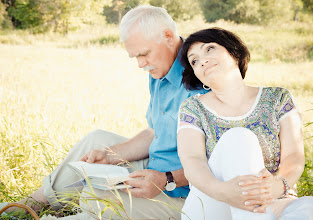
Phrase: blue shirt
x=167 y=94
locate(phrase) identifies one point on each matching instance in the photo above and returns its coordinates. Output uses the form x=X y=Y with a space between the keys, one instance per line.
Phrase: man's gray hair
x=151 y=21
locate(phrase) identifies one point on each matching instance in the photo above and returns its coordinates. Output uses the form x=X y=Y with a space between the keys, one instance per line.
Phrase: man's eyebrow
x=140 y=54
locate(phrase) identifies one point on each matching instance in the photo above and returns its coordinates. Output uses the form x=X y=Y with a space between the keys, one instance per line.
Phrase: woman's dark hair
x=233 y=44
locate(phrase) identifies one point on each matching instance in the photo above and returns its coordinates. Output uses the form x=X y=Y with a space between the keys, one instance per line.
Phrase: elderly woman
x=241 y=146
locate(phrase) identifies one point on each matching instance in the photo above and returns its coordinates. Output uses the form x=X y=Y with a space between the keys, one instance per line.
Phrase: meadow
x=56 y=88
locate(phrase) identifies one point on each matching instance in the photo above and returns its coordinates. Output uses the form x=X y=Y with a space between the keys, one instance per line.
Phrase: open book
x=101 y=176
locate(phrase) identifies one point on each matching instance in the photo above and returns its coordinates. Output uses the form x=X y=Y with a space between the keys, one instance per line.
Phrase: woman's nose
x=204 y=62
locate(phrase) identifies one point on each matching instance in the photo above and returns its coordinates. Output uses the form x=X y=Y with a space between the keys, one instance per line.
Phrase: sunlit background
x=62 y=77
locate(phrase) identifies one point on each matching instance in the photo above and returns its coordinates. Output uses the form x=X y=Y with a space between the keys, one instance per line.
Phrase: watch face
x=170 y=186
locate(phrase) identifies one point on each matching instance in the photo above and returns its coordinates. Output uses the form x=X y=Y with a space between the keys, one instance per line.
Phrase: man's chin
x=156 y=76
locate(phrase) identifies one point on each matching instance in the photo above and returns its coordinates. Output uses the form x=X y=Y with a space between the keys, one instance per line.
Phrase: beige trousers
x=164 y=208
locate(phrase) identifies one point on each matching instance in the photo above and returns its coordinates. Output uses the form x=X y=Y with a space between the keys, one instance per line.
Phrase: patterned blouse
x=271 y=105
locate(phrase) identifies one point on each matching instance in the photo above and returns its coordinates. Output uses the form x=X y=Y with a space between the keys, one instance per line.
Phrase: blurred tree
x=308 y=5
x=5 y=20
x=59 y=15
x=3 y=13
x=178 y=9
x=297 y=6
x=117 y=8
x=248 y=11
x=25 y=14
x=275 y=11
x=216 y=9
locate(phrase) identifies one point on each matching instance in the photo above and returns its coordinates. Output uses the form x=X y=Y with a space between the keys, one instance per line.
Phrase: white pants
x=139 y=208
x=238 y=153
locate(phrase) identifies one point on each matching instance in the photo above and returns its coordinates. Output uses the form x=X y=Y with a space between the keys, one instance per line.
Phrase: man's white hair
x=151 y=21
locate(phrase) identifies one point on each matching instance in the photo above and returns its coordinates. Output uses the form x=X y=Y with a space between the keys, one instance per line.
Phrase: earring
x=206 y=87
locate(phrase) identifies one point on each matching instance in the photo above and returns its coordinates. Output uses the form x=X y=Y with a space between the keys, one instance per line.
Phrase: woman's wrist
x=220 y=192
x=284 y=186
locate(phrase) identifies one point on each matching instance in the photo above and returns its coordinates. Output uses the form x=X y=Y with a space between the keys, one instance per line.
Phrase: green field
x=54 y=89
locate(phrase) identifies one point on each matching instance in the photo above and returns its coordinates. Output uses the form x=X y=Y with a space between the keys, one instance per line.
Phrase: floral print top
x=271 y=105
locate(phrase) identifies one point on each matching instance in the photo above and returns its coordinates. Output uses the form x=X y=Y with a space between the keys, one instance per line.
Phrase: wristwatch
x=170 y=185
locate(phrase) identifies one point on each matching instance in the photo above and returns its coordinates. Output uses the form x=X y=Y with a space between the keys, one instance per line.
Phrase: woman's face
x=210 y=60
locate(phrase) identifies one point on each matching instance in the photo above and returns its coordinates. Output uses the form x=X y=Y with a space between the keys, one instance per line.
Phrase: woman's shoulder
x=191 y=101
x=276 y=91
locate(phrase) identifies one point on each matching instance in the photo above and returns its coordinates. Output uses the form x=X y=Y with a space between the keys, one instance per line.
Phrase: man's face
x=153 y=56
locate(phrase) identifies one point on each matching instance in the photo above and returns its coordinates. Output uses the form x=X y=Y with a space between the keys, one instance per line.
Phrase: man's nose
x=142 y=62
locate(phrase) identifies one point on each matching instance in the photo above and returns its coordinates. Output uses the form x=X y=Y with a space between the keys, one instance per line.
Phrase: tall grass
x=54 y=89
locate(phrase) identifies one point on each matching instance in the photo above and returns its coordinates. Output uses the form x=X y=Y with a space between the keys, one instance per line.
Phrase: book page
x=99 y=172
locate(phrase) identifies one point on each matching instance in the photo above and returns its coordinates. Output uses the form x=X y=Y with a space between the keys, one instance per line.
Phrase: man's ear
x=169 y=37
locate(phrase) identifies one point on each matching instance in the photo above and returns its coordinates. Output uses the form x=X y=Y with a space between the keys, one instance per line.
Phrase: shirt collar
x=175 y=74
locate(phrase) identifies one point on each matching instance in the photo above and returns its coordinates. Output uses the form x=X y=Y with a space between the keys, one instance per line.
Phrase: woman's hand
x=261 y=192
x=276 y=188
x=249 y=192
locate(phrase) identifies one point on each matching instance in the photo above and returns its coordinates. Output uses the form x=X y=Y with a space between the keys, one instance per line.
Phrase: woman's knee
x=239 y=142
x=241 y=137
x=301 y=208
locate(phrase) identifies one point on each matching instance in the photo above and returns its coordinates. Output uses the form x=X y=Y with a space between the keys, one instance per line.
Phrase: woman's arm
x=292 y=159
x=192 y=153
x=292 y=150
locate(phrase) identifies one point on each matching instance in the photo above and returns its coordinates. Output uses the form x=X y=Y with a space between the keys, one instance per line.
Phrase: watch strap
x=170 y=177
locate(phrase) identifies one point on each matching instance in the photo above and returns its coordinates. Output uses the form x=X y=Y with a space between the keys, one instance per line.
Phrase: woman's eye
x=209 y=48
x=193 y=62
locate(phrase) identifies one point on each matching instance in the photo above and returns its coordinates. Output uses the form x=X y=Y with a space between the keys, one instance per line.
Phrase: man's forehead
x=138 y=45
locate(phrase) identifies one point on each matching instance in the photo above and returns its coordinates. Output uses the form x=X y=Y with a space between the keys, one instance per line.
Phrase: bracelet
x=286 y=186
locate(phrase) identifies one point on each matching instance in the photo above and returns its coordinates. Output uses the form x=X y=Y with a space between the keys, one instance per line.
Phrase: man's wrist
x=107 y=154
x=170 y=182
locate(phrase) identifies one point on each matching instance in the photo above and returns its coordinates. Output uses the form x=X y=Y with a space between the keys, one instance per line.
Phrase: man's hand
x=96 y=156
x=148 y=183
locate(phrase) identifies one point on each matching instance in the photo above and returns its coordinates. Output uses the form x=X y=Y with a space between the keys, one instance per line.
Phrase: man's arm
x=149 y=183
x=136 y=148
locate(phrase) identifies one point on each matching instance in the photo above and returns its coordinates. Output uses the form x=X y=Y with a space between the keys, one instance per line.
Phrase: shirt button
x=152 y=158
x=156 y=137
x=162 y=112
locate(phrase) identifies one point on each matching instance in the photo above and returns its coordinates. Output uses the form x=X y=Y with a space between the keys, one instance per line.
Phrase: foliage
x=308 y=5
x=59 y=15
x=2 y=13
x=247 y=11
x=26 y=14
x=178 y=9
x=5 y=22
x=106 y=40
x=116 y=10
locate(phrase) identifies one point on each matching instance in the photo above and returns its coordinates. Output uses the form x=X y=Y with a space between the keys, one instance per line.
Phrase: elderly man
x=150 y=36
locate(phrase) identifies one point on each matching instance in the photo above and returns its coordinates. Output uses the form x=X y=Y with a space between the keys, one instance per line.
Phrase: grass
x=54 y=89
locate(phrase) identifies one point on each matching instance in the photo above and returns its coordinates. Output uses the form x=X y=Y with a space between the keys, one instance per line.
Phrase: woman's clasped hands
x=252 y=193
